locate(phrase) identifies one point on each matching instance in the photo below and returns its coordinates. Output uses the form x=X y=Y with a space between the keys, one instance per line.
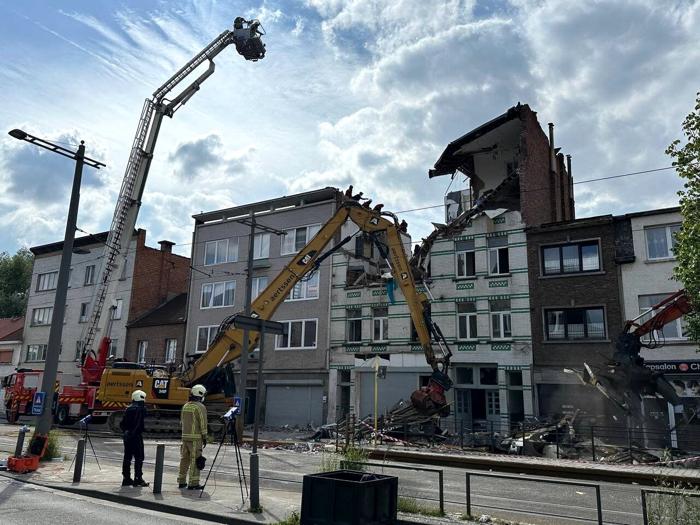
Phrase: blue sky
x=363 y=91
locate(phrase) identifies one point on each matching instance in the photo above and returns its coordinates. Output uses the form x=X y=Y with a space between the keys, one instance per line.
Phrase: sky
x=367 y=92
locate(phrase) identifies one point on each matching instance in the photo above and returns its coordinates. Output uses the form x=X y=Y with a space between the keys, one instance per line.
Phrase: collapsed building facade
x=475 y=269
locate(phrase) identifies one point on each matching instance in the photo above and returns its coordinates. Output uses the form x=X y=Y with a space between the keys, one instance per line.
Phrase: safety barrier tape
x=383 y=435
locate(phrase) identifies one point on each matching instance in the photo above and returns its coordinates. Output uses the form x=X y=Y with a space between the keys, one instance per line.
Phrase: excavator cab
x=246 y=37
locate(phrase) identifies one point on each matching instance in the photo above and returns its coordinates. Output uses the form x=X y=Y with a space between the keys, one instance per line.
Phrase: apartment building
x=149 y=277
x=295 y=375
x=478 y=283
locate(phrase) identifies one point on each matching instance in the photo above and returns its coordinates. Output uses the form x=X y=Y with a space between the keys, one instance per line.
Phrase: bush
x=292 y=519
x=413 y=506
x=53 y=447
x=677 y=507
x=351 y=459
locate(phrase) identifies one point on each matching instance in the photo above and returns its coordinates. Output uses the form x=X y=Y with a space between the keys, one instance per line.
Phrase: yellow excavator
x=169 y=392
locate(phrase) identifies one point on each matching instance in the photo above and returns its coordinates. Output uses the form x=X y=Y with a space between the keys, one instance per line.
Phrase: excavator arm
x=228 y=342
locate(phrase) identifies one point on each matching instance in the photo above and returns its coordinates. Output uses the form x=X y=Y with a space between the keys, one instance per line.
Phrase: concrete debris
x=485 y=518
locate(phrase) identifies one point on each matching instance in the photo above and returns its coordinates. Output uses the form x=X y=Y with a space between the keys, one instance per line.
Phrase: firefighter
x=132 y=425
x=194 y=437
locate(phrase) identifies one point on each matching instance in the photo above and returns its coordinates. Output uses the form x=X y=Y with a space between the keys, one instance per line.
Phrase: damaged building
x=475 y=269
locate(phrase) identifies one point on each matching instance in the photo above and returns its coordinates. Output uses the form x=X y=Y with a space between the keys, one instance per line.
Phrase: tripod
x=86 y=438
x=230 y=429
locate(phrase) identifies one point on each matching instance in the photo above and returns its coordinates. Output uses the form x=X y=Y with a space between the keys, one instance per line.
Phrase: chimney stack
x=166 y=246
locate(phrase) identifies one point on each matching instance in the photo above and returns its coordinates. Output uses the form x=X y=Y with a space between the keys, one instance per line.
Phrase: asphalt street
x=523 y=500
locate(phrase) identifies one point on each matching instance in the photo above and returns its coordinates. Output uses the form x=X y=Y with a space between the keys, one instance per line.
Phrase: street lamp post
x=43 y=421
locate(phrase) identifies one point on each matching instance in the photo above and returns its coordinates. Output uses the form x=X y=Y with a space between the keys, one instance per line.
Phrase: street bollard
x=557 y=438
x=20 y=440
x=158 y=475
x=79 y=457
x=592 y=443
x=629 y=443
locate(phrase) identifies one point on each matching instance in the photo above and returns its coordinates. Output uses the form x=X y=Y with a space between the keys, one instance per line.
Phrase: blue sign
x=38 y=403
x=237 y=402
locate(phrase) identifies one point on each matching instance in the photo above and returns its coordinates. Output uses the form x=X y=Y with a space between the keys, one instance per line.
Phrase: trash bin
x=349 y=497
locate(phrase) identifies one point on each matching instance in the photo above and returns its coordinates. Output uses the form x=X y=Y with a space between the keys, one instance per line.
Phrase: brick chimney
x=166 y=246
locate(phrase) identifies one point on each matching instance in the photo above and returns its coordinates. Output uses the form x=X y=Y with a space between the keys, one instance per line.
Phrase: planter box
x=349 y=497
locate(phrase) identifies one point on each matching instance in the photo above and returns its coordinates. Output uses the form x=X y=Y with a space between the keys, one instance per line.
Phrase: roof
x=310 y=197
x=170 y=312
x=449 y=162
x=576 y=223
x=660 y=211
x=85 y=240
x=11 y=328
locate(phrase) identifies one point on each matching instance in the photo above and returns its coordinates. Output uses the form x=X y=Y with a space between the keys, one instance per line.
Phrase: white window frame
x=301 y=289
x=669 y=240
x=349 y=319
x=89 y=275
x=142 y=348
x=464 y=253
x=495 y=252
x=38 y=352
x=383 y=321
x=493 y=403
x=213 y=286
x=46 y=281
x=170 y=350
x=211 y=333
x=467 y=315
x=84 y=314
x=289 y=241
x=114 y=348
x=500 y=316
x=42 y=316
x=256 y=288
x=261 y=246
x=221 y=245
x=280 y=338
x=678 y=322
x=117 y=310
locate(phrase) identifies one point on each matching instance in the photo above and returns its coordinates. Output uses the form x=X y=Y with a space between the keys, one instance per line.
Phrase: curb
x=521 y=467
x=143 y=504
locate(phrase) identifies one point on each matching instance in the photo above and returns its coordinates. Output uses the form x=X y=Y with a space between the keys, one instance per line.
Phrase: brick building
x=158 y=336
x=478 y=282
x=149 y=277
x=576 y=311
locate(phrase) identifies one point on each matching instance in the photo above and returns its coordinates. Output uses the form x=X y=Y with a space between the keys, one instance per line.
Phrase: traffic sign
x=38 y=403
x=257 y=324
x=237 y=401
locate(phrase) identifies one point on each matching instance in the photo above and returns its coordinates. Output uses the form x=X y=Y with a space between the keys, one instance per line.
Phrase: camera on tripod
x=86 y=420
x=231 y=414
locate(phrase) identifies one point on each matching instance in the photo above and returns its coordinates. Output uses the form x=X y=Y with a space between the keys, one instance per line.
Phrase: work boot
x=140 y=483
x=182 y=485
x=127 y=482
x=195 y=487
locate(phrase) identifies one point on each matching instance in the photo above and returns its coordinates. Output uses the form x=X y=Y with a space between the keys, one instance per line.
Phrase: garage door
x=300 y=405
x=396 y=386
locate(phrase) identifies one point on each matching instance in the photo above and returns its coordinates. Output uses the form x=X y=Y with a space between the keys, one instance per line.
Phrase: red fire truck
x=19 y=392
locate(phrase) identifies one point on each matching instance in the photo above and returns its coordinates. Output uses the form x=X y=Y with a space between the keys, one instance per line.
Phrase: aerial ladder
x=246 y=37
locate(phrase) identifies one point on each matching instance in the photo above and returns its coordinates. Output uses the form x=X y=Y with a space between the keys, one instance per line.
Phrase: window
x=305 y=289
x=674 y=330
x=300 y=334
x=5 y=356
x=218 y=295
x=571 y=258
x=142 y=348
x=380 y=322
x=36 y=352
x=221 y=251
x=465 y=375
x=205 y=335
x=261 y=246
x=42 y=316
x=661 y=241
x=488 y=375
x=515 y=377
x=296 y=238
x=364 y=247
x=84 y=307
x=170 y=350
x=117 y=309
x=114 y=348
x=498 y=255
x=493 y=403
x=466 y=258
x=78 y=350
x=46 y=281
x=258 y=285
x=575 y=324
x=466 y=320
x=89 y=275
x=354 y=317
x=500 y=319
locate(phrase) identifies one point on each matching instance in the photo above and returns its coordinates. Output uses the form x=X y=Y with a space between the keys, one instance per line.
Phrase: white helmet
x=198 y=391
x=138 y=395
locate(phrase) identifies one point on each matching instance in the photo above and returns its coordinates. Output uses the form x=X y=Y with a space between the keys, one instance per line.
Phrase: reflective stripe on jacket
x=194 y=420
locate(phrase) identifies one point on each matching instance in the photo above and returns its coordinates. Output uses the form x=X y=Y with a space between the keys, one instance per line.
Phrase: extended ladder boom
x=246 y=37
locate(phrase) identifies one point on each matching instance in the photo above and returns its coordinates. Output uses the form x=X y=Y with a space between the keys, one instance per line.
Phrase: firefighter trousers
x=190 y=450
x=133 y=448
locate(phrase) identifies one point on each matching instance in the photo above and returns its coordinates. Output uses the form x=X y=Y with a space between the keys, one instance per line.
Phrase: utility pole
x=44 y=420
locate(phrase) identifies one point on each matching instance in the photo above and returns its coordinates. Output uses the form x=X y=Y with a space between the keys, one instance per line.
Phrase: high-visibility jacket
x=193 y=420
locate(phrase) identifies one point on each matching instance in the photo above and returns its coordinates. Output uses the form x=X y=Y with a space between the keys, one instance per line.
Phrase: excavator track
x=167 y=421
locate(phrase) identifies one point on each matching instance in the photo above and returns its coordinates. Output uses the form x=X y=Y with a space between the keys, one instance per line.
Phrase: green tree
x=686 y=159
x=15 y=277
